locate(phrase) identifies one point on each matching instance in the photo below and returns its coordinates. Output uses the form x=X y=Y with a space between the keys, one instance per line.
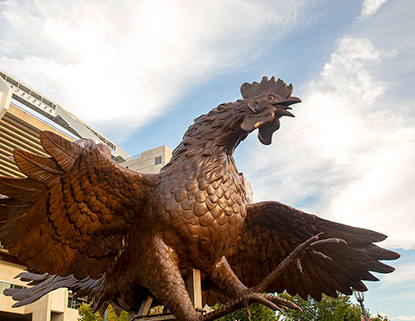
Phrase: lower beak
x=283 y=106
x=282 y=111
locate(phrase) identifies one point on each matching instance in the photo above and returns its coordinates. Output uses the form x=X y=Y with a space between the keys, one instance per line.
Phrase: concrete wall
x=146 y=162
x=51 y=307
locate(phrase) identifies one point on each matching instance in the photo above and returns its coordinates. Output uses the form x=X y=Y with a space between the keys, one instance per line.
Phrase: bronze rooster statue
x=83 y=222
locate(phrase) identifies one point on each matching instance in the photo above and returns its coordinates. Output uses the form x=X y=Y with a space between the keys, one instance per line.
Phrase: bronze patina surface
x=81 y=221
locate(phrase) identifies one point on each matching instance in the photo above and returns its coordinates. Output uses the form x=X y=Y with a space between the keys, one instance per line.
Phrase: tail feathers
x=39 y=168
x=21 y=189
x=42 y=172
x=45 y=283
x=62 y=150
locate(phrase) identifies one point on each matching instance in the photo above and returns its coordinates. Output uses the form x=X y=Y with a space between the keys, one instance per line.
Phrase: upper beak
x=289 y=101
x=282 y=107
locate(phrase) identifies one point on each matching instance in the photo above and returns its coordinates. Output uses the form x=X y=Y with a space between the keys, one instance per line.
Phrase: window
x=75 y=303
x=157 y=160
x=7 y=285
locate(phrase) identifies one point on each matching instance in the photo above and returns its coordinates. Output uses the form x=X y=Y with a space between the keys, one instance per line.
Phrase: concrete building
x=24 y=112
x=55 y=306
x=150 y=161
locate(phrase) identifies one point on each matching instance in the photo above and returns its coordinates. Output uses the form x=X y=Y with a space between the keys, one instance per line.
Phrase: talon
x=332 y=240
x=283 y=303
x=279 y=309
x=255 y=294
x=248 y=312
x=321 y=255
x=292 y=258
x=298 y=265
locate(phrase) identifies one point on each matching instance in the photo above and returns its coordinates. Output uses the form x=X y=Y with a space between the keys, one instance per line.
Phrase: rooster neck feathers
x=213 y=136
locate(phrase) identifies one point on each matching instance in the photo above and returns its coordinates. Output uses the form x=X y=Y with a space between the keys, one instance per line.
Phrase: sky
x=141 y=71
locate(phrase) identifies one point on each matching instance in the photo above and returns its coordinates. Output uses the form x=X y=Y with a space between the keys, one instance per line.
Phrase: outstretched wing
x=273 y=230
x=72 y=212
x=100 y=292
x=42 y=284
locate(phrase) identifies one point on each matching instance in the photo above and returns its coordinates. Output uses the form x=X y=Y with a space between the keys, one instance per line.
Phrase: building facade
x=24 y=113
x=150 y=161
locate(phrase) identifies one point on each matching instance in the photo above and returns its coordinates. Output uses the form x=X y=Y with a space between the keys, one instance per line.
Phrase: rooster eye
x=257 y=101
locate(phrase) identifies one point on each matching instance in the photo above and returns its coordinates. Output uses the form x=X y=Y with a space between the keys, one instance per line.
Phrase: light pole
x=360 y=297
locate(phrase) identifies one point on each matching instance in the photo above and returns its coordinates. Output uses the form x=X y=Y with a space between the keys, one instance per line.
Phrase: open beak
x=268 y=119
x=283 y=106
x=281 y=109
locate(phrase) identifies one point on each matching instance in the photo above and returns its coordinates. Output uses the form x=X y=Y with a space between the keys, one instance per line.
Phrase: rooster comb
x=266 y=87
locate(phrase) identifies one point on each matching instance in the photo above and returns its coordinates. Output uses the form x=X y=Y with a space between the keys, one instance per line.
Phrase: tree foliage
x=86 y=314
x=258 y=313
x=328 y=309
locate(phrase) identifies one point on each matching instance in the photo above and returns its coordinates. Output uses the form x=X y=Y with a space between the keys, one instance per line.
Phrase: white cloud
x=348 y=154
x=382 y=197
x=406 y=317
x=120 y=63
x=369 y=7
x=403 y=275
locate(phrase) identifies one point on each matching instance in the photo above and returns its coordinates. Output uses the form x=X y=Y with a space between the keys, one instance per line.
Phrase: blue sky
x=141 y=71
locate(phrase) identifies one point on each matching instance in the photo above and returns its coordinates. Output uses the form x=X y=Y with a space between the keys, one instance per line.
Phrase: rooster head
x=268 y=101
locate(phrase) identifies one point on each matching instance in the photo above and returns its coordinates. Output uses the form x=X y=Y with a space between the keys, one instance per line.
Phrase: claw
x=282 y=303
x=248 y=312
x=298 y=265
x=321 y=255
x=295 y=257
x=332 y=240
x=255 y=294
x=270 y=301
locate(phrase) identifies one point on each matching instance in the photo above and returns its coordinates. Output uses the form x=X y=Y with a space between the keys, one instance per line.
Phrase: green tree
x=328 y=309
x=258 y=313
x=86 y=314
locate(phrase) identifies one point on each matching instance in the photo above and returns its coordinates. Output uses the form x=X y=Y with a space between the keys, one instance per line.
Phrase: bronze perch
x=81 y=221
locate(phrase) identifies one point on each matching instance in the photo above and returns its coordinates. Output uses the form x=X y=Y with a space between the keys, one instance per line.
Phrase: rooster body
x=118 y=236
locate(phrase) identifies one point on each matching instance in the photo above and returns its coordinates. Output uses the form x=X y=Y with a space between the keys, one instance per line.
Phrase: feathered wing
x=41 y=284
x=72 y=212
x=98 y=291
x=273 y=230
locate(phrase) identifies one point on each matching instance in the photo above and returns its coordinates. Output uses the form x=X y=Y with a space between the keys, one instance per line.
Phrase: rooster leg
x=225 y=281
x=295 y=258
x=164 y=280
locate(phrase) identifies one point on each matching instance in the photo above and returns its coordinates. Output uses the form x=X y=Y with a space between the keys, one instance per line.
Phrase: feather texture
x=282 y=228
x=78 y=220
